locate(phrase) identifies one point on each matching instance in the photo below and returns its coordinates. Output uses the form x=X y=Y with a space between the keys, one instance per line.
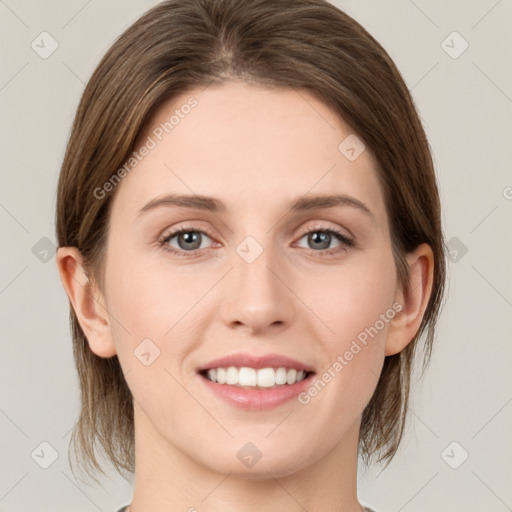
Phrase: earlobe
x=413 y=301
x=87 y=300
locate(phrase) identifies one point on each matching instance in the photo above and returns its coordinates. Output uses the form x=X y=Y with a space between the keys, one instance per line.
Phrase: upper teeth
x=264 y=377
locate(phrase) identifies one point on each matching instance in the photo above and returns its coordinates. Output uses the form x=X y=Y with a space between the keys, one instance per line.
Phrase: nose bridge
x=257 y=297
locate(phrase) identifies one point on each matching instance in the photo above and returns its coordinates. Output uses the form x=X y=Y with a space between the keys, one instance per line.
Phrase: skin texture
x=256 y=150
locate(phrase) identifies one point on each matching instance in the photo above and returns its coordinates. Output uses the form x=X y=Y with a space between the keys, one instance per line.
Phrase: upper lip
x=255 y=361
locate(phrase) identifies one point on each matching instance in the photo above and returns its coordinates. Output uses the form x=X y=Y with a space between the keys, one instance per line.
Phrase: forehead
x=246 y=144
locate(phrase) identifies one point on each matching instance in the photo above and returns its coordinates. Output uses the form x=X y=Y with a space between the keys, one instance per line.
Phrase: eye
x=321 y=238
x=188 y=240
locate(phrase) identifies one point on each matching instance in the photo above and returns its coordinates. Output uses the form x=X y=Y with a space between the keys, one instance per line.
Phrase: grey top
x=125 y=508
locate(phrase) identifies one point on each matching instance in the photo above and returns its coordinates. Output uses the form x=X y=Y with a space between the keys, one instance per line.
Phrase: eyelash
x=341 y=237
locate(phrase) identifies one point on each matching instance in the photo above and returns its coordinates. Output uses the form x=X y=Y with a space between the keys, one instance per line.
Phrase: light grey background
x=466 y=396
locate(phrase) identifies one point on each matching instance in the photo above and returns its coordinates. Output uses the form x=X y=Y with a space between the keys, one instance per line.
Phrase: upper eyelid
x=171 y=233
x=325 y=227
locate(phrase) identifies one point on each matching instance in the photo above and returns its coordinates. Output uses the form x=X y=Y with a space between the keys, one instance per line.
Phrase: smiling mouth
x=252 y=378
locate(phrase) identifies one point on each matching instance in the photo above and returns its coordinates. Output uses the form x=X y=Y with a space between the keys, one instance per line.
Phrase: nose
x=257 y=296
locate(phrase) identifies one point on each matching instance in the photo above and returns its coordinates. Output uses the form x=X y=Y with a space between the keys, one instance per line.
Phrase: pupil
x=323 y=238
x=190 y=237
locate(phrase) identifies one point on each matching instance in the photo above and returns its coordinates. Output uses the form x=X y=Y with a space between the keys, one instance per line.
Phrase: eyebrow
x=198 y=202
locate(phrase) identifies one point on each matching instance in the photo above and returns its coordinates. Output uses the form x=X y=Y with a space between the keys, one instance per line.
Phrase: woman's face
x=245 y=278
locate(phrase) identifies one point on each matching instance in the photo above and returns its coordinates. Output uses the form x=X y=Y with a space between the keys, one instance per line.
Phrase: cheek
x=158 y=302
x=355 y=306
x=352 y=297
x=152 y=298
x=152 y=313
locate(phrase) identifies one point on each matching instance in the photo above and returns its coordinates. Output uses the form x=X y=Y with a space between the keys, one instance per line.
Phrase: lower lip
x=257 y=399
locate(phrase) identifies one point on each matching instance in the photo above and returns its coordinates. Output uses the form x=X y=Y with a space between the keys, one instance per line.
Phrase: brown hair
x=303 y=44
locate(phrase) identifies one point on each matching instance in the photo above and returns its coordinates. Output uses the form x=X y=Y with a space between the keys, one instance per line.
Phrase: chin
x=250 y=463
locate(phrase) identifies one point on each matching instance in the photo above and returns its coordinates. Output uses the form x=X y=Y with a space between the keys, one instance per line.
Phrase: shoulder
x=124 y=509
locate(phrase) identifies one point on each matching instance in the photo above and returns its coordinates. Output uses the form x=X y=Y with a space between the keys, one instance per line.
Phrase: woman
x=250 y=238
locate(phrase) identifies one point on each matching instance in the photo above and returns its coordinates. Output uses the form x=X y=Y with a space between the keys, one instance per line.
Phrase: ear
x=87 y=300
x=414 y=301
